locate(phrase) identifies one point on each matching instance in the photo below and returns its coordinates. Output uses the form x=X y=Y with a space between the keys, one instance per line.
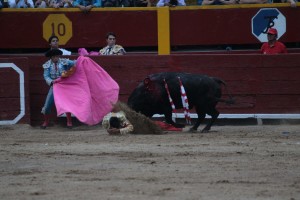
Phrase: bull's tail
x=229 y=101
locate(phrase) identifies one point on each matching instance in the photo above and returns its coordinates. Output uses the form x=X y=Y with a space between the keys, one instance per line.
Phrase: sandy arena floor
x=230 y=162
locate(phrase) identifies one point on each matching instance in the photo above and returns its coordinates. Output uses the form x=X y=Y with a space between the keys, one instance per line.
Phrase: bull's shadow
x=158 y=92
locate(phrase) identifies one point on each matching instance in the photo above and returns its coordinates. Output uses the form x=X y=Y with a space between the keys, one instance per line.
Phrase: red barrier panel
x=14 y=92
x=25 y=29
x=259 y=83
x=224 y=26
x=137 y=27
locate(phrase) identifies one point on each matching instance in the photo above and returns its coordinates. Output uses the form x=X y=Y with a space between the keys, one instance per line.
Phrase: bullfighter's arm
x=105 y=121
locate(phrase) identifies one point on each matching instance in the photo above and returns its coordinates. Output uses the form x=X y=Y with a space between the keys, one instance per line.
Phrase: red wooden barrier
x=224 y=26
x=260 y=83
x=25 y=29
x=138 y=27
x=14 y=90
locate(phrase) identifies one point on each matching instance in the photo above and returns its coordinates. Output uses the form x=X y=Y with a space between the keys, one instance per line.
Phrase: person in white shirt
x=54 y=44
x=20 y=3
x=41 y=4
x=162 y=3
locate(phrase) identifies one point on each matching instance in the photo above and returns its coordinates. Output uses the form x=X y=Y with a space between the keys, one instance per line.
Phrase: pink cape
x=88 y=93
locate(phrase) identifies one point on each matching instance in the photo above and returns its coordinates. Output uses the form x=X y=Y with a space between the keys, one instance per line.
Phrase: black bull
x=203 y=92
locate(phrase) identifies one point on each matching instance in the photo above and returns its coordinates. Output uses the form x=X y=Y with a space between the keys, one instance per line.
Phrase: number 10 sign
x=59 y=25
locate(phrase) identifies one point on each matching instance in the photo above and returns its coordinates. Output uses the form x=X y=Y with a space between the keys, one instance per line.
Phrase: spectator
x=41 y=4
x=54 y=44
x=4 y=4
x=112 y=48
x=218 y=2
x=60 y=3
x=273 y=46
x=54 y=68
x=20 y=3
x=116 y=123
x=252 y=1
x=171 y=3
x=144 y=3
x=199 y=2
x=87 y=5
x=292 y=2
x=117 y=3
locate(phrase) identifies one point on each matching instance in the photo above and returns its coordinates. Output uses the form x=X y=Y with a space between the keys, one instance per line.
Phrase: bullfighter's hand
x=56 y=80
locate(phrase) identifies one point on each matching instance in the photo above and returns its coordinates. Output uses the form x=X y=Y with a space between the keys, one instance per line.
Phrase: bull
x=203 y=92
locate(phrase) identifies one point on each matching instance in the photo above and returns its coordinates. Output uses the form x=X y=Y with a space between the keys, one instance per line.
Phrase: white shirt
x=161 y=3
x=65 y=52
x=21 y=3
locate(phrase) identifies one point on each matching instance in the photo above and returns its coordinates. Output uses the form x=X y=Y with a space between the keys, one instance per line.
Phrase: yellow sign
x=59 y=25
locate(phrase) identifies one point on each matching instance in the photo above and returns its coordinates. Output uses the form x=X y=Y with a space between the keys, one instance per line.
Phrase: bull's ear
x=147 y=81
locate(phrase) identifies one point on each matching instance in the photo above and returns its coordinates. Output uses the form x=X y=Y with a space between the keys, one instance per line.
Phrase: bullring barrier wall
x=156 y=28
x=261 y=84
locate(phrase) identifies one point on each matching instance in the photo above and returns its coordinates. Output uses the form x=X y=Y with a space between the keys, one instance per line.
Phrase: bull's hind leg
x=214 y=115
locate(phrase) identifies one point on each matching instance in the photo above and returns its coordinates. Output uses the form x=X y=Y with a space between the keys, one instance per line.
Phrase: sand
x=230 y=162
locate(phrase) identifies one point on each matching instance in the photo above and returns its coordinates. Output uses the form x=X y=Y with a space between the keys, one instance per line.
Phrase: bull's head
x=145 y=97
x=148 y=84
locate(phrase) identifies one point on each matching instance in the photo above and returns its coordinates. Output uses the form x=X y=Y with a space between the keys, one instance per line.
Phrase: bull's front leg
x=168 y=117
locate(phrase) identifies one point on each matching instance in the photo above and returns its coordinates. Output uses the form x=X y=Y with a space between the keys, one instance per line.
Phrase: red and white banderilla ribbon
x=170 y=98
x=185 y=103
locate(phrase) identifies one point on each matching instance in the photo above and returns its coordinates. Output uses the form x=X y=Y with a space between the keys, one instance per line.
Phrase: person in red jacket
x=273 y=46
